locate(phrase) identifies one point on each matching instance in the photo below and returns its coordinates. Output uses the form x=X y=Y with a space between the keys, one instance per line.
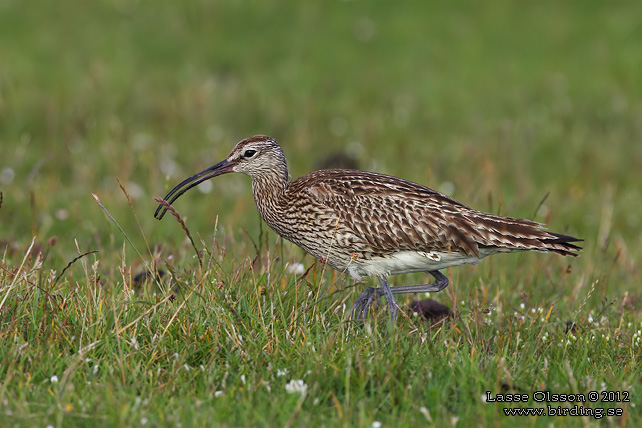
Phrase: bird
x=369 y=224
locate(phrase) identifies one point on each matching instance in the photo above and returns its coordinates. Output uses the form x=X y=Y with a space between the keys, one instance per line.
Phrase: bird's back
x=369 y=215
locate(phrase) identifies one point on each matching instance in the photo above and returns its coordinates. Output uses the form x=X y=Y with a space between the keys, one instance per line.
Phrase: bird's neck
x=268 y=188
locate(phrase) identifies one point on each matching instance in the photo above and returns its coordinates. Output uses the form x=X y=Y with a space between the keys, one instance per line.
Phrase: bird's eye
x=249 y=153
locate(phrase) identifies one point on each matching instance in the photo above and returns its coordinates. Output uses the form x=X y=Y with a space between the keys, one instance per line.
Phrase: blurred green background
x=496 y=103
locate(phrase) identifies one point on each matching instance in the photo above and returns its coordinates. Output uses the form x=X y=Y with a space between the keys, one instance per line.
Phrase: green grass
x=500 y=104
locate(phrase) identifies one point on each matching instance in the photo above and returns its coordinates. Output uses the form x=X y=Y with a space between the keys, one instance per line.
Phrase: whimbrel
x=370 y=224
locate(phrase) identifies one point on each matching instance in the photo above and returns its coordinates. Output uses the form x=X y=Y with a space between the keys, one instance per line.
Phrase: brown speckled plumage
x=372 y=224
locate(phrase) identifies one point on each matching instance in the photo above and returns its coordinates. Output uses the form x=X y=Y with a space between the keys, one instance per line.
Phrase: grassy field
x=502 y=106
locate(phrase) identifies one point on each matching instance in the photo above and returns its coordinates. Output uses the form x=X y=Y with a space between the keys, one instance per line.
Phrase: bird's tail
x=506 y=234
x=561 y=244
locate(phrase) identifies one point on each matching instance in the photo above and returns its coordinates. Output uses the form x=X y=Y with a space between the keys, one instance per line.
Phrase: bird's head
x=258 y=156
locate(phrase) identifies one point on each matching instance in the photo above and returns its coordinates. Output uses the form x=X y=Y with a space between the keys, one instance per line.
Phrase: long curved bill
x=220 y=168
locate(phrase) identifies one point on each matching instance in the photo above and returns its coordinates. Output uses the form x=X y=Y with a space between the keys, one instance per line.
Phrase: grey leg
x=441 y=282
x=393 y=306
x=365 y=299
x=362 y=303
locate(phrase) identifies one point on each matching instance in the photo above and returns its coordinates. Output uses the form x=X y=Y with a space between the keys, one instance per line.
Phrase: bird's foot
x=362 y=304
x=364 y=301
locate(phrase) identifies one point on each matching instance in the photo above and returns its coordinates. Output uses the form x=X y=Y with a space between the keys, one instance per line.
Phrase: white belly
x=410 y=261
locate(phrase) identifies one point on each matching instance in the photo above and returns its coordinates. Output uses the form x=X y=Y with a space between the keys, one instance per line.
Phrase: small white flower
x=143 y=421
x=376 y=424
x=243 y=379
x=280 y=372
x=522 y=306
x=62 y=214
x=296 y=386
x=218 y=393
x=54 y=379
x=296 y=269
x=426 y=413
